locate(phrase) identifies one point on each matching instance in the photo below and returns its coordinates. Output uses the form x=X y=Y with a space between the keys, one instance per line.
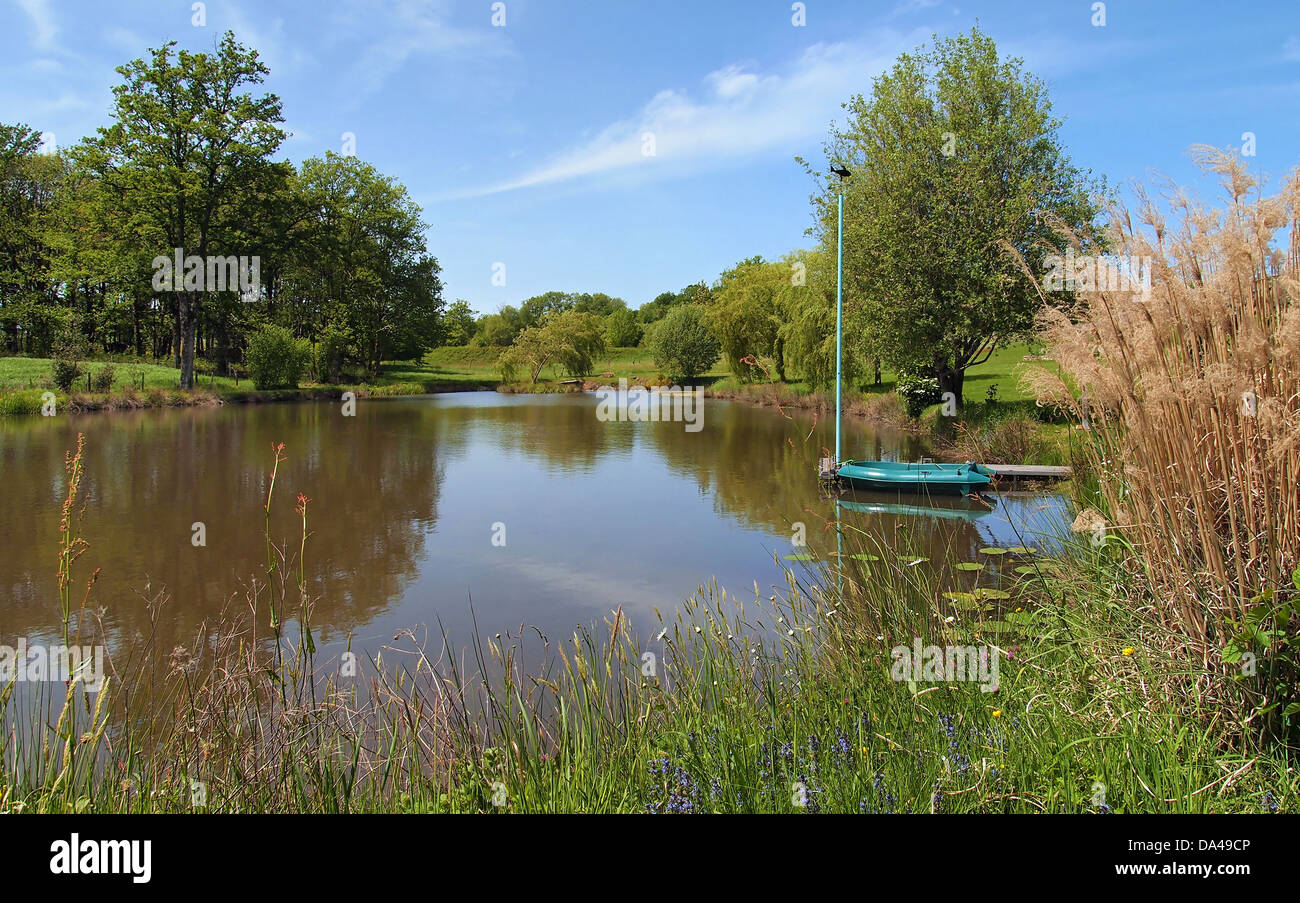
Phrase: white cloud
x=738 y=114
x=410 y=29
x=43 y=27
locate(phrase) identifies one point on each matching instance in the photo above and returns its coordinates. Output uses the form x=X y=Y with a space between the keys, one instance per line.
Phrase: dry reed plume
x=1193 y=391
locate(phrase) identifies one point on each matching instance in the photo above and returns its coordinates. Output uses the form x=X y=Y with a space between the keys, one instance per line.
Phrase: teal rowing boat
x=906 y=476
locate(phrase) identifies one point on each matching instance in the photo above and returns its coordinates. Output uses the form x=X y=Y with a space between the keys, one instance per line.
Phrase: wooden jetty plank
x=1029 y=471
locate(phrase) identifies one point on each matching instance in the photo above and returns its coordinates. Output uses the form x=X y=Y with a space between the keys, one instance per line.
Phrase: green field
x=139 y=383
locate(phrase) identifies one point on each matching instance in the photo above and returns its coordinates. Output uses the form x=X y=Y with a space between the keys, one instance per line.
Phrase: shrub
x=683 y=344
x=276 y=359
x=64 y=371
x=102 y=379
x=918 y=392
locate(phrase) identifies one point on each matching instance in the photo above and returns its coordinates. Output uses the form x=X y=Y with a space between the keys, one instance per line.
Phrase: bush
x=918 y=392
x=683 y=344
x=102 y=379
x=64 y=371
x=275 y=359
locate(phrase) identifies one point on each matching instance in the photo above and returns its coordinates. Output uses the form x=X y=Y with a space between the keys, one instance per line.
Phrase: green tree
x=655 y=310
x=570 y=338
x=957 y=170
x=747 y=311
x=623 y=329
x=459 y=323
x=369 y=262
x=682 y=342
x=187 y=139
x=499 y=329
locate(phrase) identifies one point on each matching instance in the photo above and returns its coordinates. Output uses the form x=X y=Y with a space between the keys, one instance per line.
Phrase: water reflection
x=408 y=495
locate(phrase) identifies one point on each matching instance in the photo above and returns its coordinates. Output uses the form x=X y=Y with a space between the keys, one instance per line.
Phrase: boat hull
x=904 y=476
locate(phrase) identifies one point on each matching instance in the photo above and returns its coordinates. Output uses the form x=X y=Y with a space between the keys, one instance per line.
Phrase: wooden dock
x=1015 y=473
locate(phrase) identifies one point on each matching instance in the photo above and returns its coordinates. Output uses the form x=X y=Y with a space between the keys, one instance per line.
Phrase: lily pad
x=993 y=550
x=1022 y=550
x=966 y=601
x=991 y=594
x=1027 y=569
x=969 y=566
x=863 y=556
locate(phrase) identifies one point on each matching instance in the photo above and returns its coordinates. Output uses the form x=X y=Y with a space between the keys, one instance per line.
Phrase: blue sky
x=523 y=143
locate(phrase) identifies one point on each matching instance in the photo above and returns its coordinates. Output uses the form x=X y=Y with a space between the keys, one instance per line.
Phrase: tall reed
x=1193 y=395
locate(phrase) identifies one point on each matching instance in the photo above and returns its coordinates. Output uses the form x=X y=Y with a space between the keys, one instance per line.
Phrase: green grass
x=138 y=383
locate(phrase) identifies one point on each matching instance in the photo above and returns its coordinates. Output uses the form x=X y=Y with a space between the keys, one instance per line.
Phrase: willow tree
x=959 y=180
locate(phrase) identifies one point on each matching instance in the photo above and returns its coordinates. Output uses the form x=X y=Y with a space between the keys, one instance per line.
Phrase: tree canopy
x=958 y=175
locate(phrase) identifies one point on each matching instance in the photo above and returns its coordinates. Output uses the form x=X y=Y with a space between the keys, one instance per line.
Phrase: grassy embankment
x=138 y=384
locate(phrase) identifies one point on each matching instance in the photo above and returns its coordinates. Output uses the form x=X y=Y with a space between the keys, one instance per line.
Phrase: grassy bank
x=137 y=384
x=999 y=423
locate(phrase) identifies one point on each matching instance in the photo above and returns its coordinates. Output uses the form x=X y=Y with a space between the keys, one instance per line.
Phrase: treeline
x=174 y=232
x=764 y=318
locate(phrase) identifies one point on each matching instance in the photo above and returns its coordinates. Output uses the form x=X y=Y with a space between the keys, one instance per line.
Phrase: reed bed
x=1192 y=391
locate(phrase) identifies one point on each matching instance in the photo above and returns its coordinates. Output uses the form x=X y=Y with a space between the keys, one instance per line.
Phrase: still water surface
x=408 y=494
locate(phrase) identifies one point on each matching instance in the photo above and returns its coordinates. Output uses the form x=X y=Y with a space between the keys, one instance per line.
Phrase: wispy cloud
x=1291 y=49
x=44 y=30
x=737 y=113
x=395 y=32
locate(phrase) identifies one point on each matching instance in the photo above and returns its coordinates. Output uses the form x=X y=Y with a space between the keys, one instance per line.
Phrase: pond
x=451 y=512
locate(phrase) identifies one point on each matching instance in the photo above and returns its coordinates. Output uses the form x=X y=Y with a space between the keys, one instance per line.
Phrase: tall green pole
x=839 y=321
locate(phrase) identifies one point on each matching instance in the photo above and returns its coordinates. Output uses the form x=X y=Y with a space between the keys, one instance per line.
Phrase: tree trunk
x=187 y=304
x=951 y=379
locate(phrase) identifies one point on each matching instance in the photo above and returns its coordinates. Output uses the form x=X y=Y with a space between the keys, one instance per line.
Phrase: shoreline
x=29 y=401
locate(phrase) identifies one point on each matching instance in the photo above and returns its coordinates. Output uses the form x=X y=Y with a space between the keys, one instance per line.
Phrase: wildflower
x=997 y=713
x=1128 y=650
